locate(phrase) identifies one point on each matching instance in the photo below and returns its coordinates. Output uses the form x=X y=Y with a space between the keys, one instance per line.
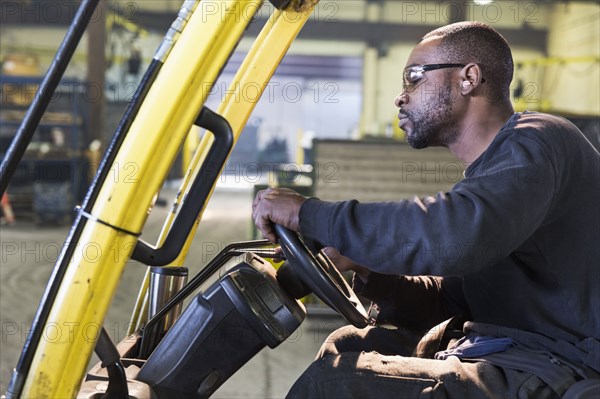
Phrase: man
x=512 y=247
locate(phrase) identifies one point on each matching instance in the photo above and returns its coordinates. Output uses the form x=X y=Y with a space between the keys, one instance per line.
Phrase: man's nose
x=401 y=99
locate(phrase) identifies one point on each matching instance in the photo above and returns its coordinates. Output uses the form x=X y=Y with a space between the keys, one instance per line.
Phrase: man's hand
x=276 y=206
x=344 y=264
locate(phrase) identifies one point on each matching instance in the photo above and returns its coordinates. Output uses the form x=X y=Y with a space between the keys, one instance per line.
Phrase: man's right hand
x=276 y=206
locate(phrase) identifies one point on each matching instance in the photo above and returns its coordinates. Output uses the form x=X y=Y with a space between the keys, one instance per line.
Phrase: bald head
x=476 y=42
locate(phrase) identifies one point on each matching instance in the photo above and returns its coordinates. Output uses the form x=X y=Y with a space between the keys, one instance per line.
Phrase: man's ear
x=471 y=78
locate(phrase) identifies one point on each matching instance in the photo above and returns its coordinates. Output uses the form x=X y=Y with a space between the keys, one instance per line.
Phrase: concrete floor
x=29 y=252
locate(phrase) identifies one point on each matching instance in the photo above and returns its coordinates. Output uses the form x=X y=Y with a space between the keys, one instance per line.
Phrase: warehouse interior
x=326 y=126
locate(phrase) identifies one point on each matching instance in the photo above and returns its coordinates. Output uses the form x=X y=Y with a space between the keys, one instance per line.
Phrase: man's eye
x=414 y=76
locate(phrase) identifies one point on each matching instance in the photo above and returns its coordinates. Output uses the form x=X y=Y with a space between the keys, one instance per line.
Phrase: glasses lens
x=412 y=76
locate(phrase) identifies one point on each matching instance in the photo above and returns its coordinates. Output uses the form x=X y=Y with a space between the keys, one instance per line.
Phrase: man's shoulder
x=539 y=122
x=530 y=138
x=529 y=130
x=554 y=133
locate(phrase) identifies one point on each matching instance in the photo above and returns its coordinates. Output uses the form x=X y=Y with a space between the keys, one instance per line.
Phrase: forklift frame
x=105 y=233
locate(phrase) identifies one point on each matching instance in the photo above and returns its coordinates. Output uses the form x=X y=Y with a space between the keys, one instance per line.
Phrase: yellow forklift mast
x=105 y=234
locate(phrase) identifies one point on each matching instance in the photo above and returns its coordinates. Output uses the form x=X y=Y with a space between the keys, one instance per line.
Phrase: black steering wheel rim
x=321 y=276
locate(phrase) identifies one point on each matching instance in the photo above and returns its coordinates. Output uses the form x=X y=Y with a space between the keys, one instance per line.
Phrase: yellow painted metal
x=140 y=168
x=253 y=77
x=191 y=143
x=76 y=319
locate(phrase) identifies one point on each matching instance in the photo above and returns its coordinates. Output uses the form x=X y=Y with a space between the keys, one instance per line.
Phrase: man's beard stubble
x=433 y=124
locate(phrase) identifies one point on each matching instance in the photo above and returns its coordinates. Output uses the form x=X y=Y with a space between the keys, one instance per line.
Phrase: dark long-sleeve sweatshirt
x=522 y=230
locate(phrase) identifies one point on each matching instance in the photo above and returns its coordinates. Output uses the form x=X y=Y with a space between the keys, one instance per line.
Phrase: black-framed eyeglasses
x=414 y=75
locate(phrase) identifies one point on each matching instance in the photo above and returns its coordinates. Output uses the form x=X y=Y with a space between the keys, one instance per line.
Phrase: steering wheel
x=322 y=277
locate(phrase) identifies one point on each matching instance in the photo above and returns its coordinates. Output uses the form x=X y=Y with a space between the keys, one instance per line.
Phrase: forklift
x=238 y=303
